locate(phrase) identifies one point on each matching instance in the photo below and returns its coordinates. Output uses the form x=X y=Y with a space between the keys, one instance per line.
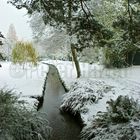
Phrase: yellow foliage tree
x=24 y=52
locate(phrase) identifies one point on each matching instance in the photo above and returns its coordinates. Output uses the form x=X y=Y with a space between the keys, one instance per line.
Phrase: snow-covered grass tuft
x=83 y=93
x=120 y=122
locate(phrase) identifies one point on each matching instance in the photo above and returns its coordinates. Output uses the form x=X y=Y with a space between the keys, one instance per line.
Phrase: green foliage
x=18 y=122
x=117 y=53
x=24 y=52
x=129 y=21
x=121 y=110
x=115 y=57
x=120 y=122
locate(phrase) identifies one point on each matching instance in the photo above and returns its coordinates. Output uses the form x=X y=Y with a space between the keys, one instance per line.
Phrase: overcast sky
x=10 y=15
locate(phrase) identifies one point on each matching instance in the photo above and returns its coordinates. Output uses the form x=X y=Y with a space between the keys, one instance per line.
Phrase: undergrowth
x=120 y=122
x=19 y=123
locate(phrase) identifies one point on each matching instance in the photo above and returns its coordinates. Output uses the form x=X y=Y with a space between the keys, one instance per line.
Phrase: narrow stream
x=65 y=127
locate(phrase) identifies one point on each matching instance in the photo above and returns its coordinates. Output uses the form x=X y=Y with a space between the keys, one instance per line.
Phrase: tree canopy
x=74 y=16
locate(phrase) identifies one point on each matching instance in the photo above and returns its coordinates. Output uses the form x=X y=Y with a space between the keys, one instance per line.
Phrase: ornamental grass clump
x=19 y=123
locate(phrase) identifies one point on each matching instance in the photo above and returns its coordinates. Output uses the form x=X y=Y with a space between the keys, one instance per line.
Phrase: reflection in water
x=64 y=126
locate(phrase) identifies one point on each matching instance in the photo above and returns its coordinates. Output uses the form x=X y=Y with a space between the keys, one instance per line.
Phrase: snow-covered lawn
x=26 y=81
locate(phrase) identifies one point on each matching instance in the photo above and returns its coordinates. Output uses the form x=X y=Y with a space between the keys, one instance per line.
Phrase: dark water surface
x=65 y=127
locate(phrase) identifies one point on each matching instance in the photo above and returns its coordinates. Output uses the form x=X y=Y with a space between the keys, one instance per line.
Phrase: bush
x=118 y=123
x=24 y=52
x=82 y=93
x=19 y=123
x=122 y=109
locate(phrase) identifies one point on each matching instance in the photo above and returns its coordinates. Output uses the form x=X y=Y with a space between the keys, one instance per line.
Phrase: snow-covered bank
x=83 y=94
x=98 y=85
x=26 y=81
x=88 y=97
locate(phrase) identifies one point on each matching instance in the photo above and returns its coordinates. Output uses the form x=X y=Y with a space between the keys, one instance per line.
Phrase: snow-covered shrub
x=122 y=109
x=123 y=131
x=118 y=123
x=82 y=93
x=19 y=123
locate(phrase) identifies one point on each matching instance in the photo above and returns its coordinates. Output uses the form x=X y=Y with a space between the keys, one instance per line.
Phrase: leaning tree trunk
x=74 y=55
x=69 y=30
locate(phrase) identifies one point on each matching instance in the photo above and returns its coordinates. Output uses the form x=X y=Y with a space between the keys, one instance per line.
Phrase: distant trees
x=24 y=52
x=11 y=39
x=11 y=35
x=73 y=16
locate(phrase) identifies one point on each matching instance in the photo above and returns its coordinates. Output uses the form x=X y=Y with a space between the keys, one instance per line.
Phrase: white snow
x=26 y=81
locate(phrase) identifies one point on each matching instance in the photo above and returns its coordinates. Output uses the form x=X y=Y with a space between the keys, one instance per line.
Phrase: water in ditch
x=64 y=126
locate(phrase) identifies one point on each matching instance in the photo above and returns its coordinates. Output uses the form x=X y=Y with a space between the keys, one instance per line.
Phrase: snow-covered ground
x=96 y=80
x=27 y=81
x=89 y=94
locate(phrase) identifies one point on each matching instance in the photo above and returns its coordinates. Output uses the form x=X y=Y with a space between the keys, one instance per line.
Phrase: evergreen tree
x=129 y=24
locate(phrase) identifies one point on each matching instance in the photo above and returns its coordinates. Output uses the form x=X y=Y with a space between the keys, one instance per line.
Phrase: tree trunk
x=69 y=30
x=74 y=55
